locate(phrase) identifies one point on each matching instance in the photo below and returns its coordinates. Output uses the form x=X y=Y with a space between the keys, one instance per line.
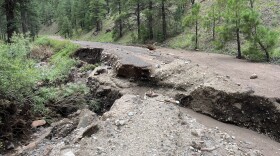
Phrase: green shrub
x=88 y=67
x=17 y=72
x=252 y=52
x=276 y=53
x=95 y=105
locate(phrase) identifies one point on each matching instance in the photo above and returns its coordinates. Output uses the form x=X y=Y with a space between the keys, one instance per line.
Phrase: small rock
x=47 y=150
x=151 y=94
x=194 y=133
x=87 y=132
x=69 y=153
x=130 y=114
x=120 y=122
x=99 y=71
x=10 y=146
x=38 y=123
x=254 y=76
x=86 y=118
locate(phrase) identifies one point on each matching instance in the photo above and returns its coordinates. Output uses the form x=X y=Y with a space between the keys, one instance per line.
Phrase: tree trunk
x=108 y=6
x=97 y=26
x=252 y=3
x=10 y=17
x=150 y=21
x=164 y=25
x=23 y=14
x=214 y=25
x=120 y=21
x=239 y=55
x=267 y=57
x=138 y=19
x=196 y=34
x=192 y=1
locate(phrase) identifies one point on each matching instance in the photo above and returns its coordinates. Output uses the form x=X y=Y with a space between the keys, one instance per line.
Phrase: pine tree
x=118 y=9
x=193 y=20
x=258 y=36
x=66 y=29
x=98 y=12
x=9 y=7
x=233 y=21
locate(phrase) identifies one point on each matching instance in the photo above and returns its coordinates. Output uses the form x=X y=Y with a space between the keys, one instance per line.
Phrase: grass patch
x=103 y=37
x=181 y=41
x=61 y=62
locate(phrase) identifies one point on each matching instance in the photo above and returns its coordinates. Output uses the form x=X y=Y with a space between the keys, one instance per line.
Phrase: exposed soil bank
x=254 y=112
x=89 y=55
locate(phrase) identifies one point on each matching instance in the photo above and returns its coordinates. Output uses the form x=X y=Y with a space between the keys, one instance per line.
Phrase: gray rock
x=254 y=76
x=69 y=153
x=130 y=114
x=87 y=117
x=10 y=146
x=194 y=133
x=120 y=122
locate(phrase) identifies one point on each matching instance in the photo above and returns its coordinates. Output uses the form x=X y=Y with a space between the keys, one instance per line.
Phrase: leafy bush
x=17 y=72
x=276 y=53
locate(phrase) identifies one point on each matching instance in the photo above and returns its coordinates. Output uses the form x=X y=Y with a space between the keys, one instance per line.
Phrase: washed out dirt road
x=267 y=84
x=141 y=125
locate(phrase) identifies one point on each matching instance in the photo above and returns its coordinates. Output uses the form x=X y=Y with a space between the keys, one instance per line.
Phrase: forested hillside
x=250 y=27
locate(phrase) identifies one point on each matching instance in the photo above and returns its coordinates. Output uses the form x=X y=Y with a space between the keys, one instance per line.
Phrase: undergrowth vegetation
x=60 y=62
x=17 y=71
x=34 y=75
